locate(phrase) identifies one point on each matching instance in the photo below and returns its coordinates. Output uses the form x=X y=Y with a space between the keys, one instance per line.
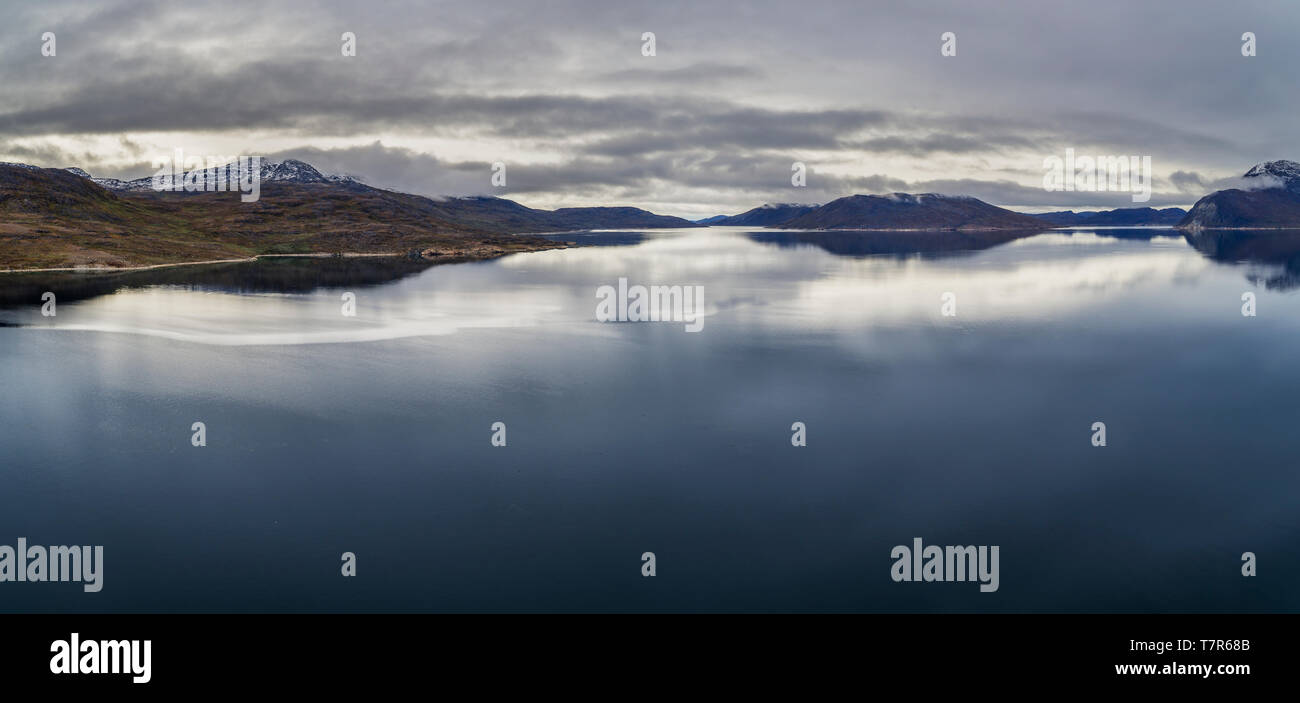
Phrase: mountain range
x=904 y=211
x=931 y=211
x=1270 y=199
x=486 y=213
x=1123 y=217
x=67 y=218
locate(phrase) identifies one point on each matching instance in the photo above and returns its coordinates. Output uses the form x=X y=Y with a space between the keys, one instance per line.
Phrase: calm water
x=370 y=434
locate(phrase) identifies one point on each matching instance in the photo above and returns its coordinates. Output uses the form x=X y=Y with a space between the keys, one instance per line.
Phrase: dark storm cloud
x=299 y=97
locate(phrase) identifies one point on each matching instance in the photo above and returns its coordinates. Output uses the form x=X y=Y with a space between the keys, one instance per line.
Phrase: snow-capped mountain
x=1270 y=200
x=476 y=213
x=1285 y=173
x=921 y=198
x=295 y=171
x=765 y=215
x=287 y=171
x=28 y=167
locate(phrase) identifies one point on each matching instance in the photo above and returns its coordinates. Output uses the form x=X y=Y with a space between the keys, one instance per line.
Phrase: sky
x=735 y=93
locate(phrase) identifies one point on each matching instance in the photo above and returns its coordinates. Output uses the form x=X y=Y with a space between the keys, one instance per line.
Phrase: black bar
x=992 y=654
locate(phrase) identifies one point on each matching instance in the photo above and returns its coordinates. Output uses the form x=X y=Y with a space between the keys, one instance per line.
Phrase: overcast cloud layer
x=561 y=93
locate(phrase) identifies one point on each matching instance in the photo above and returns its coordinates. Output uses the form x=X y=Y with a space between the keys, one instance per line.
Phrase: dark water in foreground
x=328 y=434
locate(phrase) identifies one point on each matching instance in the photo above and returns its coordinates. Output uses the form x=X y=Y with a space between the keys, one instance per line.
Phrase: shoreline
x=1198 y=228
x=249 y=260
x=955 y=230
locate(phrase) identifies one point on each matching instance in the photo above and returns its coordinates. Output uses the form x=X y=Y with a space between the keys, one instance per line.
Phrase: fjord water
x=370 y=434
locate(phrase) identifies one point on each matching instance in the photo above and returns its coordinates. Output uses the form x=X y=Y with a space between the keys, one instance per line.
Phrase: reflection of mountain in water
x=1278 y=250
x=928 y=244
x=597 y=239
x=266 y=275
x=1143 y=234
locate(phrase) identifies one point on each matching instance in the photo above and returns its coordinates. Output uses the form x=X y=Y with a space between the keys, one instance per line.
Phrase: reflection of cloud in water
x=1047 y=289
x=750 y=285
x=285 y=319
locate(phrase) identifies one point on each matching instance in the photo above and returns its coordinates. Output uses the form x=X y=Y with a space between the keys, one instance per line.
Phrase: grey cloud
x=734 y=95
x=944 y=143
x=695 y=74
x=1187 y=180
x=744 y=181
x=43 y=154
